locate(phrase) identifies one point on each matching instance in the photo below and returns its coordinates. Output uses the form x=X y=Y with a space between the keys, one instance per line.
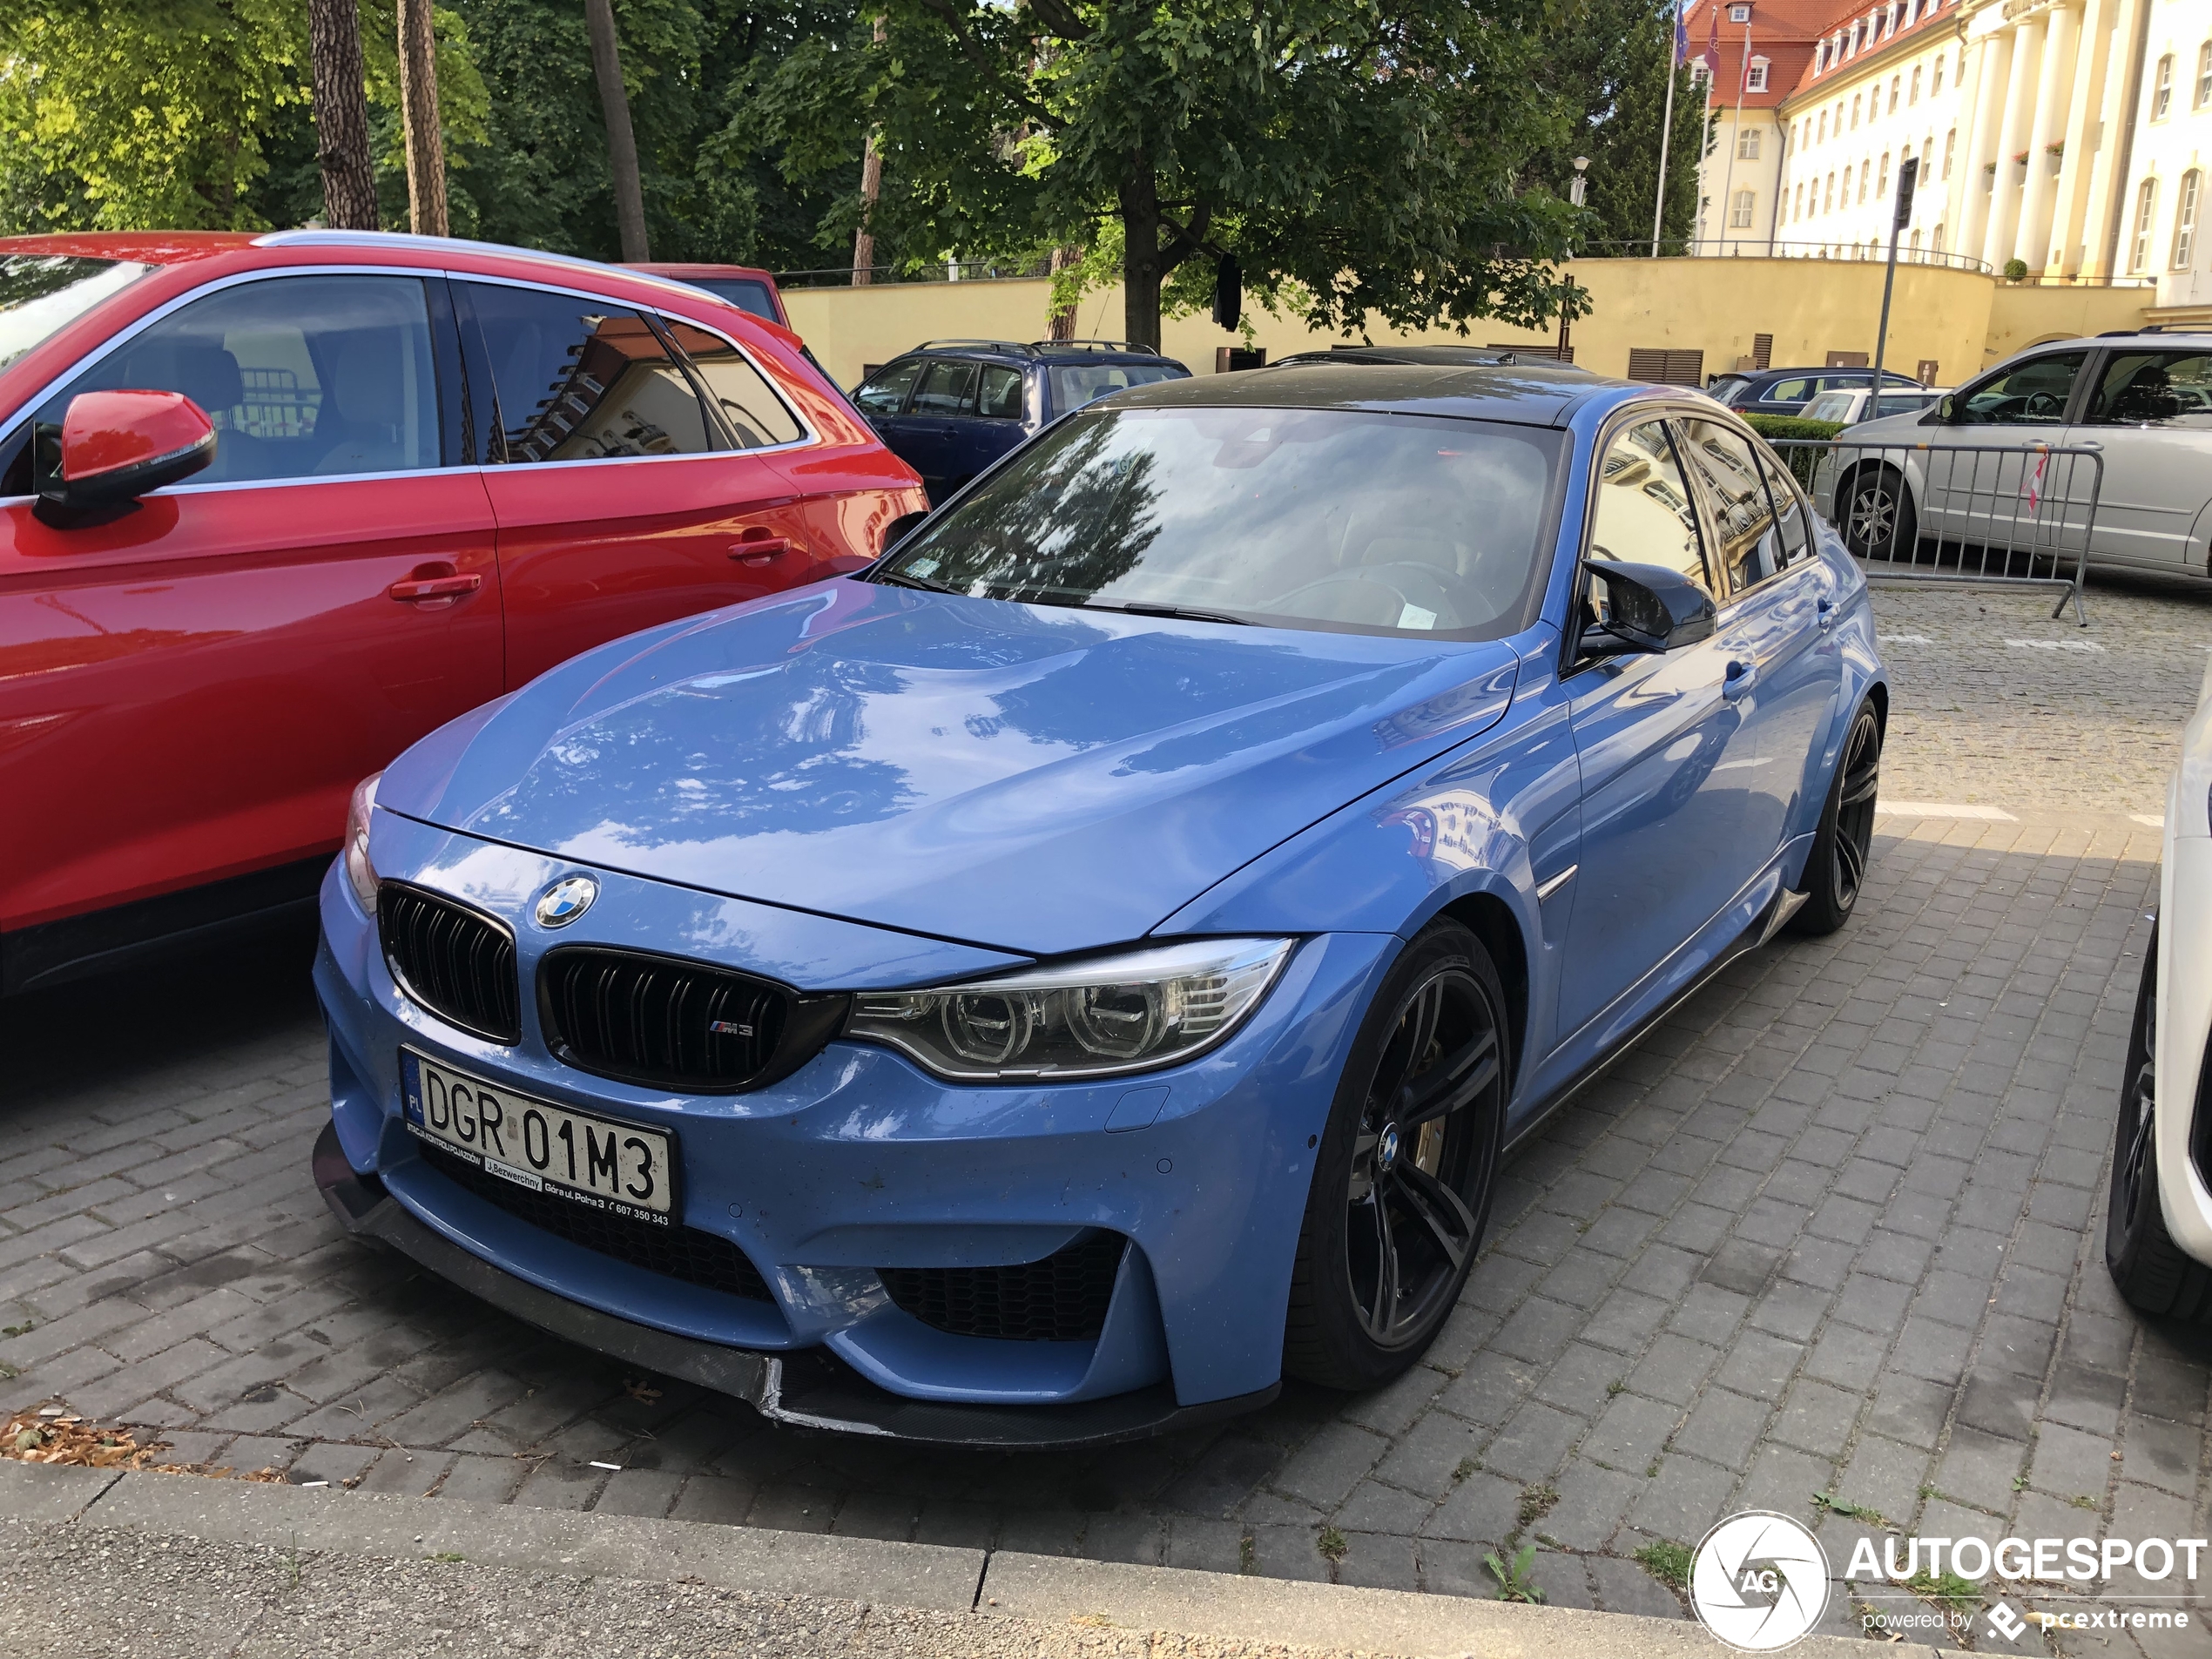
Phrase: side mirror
x=112 y=448
x=901 y=527
x=1945 y=411
x=1653 y=609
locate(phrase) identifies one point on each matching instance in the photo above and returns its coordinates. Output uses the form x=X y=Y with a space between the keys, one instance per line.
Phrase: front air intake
x=670 y=1023
x=1061 y=1298
x=457 y=961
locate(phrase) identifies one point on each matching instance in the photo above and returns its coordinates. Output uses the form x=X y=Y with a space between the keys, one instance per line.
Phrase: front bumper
x=860 y=1162
x=2184 y=1041
x=808 y=1390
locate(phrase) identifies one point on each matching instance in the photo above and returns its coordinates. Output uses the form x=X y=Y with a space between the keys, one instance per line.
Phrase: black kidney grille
x=1061 y=1298
x=455 y=961
x=659 y=1020
x=681 y=1252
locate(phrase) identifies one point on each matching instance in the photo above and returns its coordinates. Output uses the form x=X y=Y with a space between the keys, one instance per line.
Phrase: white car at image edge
x=2158 y=1236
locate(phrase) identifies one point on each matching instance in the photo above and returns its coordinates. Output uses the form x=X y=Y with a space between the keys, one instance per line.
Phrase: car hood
x=1036 y=779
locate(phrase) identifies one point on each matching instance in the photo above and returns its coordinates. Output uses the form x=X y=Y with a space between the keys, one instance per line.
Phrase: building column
x=2053 y=92
x=2019 y=115
x=1996 y=61
x=2065 y=257
x=2123 y=70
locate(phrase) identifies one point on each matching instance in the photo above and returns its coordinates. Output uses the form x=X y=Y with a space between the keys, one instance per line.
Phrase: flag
x=1681 y=35
x=2034 y=490
x=1713 y=45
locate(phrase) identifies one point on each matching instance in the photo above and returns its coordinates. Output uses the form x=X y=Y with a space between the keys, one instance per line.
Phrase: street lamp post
x=1578 y=191
x=1908 y=175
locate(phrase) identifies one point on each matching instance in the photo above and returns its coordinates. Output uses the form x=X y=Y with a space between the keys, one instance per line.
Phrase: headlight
x=1131 y=1011
x=358 y=871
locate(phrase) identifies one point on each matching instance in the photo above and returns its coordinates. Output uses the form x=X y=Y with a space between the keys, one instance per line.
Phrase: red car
x=272 y=508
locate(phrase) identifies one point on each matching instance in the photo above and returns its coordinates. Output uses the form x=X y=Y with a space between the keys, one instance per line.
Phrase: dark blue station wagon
x=950 y=408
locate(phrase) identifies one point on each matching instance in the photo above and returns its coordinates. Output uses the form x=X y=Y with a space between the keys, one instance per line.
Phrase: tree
x=1609 y=60
x=621 y=144
x=419 y=109
x=1356 y=158
x=341 y=115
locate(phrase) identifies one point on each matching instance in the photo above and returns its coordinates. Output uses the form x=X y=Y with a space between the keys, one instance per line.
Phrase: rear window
x=1345 y=520
x=1076 y=384
x=749 y=293
x=42 y=294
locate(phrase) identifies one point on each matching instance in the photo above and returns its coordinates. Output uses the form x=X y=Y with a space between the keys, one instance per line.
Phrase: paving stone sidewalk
x=1832 y=1228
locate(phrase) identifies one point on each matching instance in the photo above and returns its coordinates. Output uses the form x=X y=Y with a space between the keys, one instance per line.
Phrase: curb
x=989 y=1585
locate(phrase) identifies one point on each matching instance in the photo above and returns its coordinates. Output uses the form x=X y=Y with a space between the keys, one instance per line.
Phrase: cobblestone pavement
x=1832 y=1228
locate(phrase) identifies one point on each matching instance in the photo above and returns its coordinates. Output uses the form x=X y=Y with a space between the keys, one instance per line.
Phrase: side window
x=1747 y=550
x=1791 y=524
x=580 y=379
x=1788 y=392
x=1643 y=514
x=948 y=388
x=304 y=377
x=885 y=394
x=756 y=417
x=2155 y=388
x=999 y=395
x=2030 y=394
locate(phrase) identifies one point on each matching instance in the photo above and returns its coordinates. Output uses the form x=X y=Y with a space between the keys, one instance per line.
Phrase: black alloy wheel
x=1403 y=1177
x=1879 y=521
x=1836 y=869
x=2151 y=1271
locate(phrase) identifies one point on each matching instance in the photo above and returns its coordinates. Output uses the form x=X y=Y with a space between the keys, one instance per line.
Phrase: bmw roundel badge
x=565 y=900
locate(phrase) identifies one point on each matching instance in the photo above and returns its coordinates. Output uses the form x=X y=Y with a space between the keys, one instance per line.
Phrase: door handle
x=416 y=589
x=1741 y=677
x=758 y=547
x=1827 y=608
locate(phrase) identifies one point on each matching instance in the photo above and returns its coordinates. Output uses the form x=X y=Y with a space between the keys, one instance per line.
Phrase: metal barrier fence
x=1981 y=514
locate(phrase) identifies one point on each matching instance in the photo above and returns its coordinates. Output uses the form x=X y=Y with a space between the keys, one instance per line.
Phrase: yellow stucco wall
x=1959 y=319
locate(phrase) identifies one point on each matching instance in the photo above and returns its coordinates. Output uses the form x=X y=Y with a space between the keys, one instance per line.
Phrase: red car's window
x=755 y=415
x=581 y=380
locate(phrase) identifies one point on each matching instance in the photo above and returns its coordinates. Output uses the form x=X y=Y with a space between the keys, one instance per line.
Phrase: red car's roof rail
x=316 y=236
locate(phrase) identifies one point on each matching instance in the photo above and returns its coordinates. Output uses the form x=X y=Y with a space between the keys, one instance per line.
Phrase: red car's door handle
x=418 y=587
x=759 y=549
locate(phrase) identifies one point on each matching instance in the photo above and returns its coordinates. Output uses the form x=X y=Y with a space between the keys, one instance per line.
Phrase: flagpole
x=1735 y=137
x=1667 y=125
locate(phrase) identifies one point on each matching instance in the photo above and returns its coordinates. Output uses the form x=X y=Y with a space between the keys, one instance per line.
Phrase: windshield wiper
x=900 y=579
x=1178 y=613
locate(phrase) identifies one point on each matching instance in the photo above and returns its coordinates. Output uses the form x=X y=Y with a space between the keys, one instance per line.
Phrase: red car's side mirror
x=113 y=446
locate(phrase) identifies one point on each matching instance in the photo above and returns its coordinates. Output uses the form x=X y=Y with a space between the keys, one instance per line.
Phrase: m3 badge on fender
x=565 y=900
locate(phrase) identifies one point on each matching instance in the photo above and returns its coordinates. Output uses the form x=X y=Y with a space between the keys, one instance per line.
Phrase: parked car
x=1050 y=985
x=746 y=286
x=951 y=408
x=1786 y=391
x=273 y=507
x=2141 y=401
x=1432 y=356
x=1847 y=405
x=2158 y=1226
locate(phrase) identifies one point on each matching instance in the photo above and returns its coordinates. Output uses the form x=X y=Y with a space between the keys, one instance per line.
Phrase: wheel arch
x=1491 y=919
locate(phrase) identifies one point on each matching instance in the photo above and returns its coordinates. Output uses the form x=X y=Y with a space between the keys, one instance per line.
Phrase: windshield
x=748 y=293
x=1344 y=520
x=41 y=294
x=1076 y=384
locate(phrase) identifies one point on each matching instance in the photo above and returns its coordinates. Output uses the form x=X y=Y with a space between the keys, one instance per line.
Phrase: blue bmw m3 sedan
x=1055 y=984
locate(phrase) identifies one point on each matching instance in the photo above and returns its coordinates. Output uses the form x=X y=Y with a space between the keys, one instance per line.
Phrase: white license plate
x=623 y=1168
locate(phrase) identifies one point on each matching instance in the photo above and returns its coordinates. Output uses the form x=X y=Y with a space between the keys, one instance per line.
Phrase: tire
x=2151 y=1271
x=1880 y=521
x=1403 y=1178
x=1836 y=869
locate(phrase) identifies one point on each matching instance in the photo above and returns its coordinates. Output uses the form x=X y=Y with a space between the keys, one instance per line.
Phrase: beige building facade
x=2162 y=210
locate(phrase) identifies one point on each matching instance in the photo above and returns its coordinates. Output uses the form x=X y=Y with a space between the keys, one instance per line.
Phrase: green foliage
x=1791 y=426
x=1607 y=61
x=1513 y=1584
x=1667 y=1562
x=1331 y=1544
x=1950 y=1590
x=1355 y=160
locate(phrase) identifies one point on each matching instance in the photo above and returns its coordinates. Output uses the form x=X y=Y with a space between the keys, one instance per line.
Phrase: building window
x=1739 y=215
x=1935 y=242
x=2162 y=100
x=1950 y=144
x=1882 y=190
x=1739 y=13
x=1747 y=144
x=1855 y=103
x=1755 y=80
x=1935 y=86
x=1897 y=85
x=2204 y=75
x=2185 y=221
x=1866 y=172
x=1830 y=207
x=1912 y=11
x=1915 y=96
x=2146 y=210
x=1821 y=130
x=1916 y=247
x=1889 y=20
x=1798 y=208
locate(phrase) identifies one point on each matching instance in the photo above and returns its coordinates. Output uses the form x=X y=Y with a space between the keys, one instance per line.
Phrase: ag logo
x=1759 y=1581
x=565 y=900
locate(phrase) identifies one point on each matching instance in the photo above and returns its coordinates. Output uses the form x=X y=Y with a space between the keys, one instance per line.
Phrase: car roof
x=1043 y=351
x=679 y=268
x=1440 y=357
x=1526 y=394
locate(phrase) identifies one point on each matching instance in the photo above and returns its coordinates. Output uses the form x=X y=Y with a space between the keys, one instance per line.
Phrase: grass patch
x=449 y=1555
x=1668 y=1561
x=1836 y=1506
x=1535 y=1503
x=1468 y=1466
x=1247 y=1557
x=1332 y=1544
x=1514 y=1583
x=1949 y=1591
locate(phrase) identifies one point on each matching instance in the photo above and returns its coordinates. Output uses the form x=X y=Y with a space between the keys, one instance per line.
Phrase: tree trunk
x=1062 y=324
x=426 y=147
x=341 y=115
x=621 y=144
x=1141 y=273
x=871 y=192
